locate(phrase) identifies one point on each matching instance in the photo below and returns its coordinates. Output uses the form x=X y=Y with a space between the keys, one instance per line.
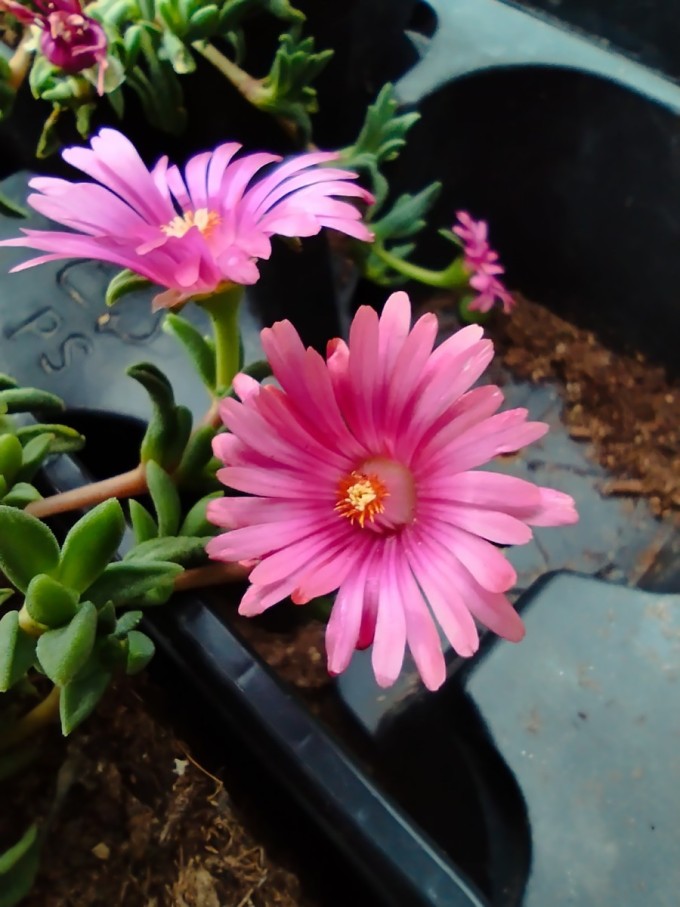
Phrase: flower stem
x=124 y=485
x=247 y=85
x=211 y=575
x=450 y=278
x=223 y=309
x=38 y=718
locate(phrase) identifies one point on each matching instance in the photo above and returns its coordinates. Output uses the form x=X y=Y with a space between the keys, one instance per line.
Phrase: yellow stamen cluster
x=205 y=220
x=360 y=497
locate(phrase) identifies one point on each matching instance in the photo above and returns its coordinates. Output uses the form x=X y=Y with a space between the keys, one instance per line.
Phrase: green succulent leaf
x=177 y=549
x=126 y=582
x=140 y=652
x=382 y=138
x=49 y=602
x=8 y=207
x=63 y=438
x=197 y=454
x=144 y=526
x=169 y=425
x=200 y=352
x=62 y=653
x=11 y=456
x=21 y=495
x=17 y=651
x=165 y=498
x=122 y=284
x=80 y=696
x=19 y=867
x=287 y=90
x=406 y=217
x=27 y=547
x=127 y=622
x=34 y=454
x=7 y=382
x=28 y=399
x=90 y=545
x=195 y=522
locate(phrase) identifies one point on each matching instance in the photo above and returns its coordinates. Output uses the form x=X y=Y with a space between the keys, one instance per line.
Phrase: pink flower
x=482 y=263
x=361 y=473
x=70 y=40
x=191 y=232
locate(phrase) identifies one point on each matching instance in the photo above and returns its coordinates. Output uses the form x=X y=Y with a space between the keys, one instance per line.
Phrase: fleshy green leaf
x=6 y=382
x=18 y=868
x=195 y=522
x=124 y=282
x=143 y=524
x=91 y=544
x=64 y=652
x=21 y=495
x=140 y=652
x=27 y=547
x=27 y=399
x=200 y=353
x=63 y=438
x=125 y=582
x=165 y=498
x=79 y=697
x=178 y=549
x=11 y=455
x=127 y=622
x=17 y=651
x=35 y=452
x=48 y=602
x=197 y=454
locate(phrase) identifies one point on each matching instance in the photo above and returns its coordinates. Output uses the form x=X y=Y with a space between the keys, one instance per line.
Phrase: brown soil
x=624 y=405
x=142 y=825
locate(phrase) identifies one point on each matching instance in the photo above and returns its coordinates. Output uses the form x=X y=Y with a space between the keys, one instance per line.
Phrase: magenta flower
x=361 y=473
x=191 y=233
x=70 y=40
x=482 y=263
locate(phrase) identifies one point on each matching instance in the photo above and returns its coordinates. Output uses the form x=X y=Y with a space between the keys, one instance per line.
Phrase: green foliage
x=144 y=526
x=62 y=438
x=63 y=652
x=50 y=603
x=17 y=651
x=124 y=282
x=287 y=90
x=381 y=139
x=127 y=582
x=195 y=522
x=165 y=498
x=19 y=867
x=80 y=696
x=91 y=544
x=404 y=220
x=27 y=547
x=170 y=425
x=200 y=352
x=140 y=651
x=189 y=551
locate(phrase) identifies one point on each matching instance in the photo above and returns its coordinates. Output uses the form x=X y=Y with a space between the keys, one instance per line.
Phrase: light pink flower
x=361 y=473
x=481 y=261
x=70 y=39
x=191 y=232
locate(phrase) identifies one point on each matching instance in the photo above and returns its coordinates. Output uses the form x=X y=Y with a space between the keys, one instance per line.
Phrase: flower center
x=360 y=497
x=205 y=220
x=380 y=494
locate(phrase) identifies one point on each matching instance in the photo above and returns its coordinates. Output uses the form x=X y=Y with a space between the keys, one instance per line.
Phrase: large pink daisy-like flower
x=361 y=474
x=193 y=232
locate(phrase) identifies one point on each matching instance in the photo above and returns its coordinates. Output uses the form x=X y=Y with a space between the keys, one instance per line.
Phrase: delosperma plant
x=357 y=475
